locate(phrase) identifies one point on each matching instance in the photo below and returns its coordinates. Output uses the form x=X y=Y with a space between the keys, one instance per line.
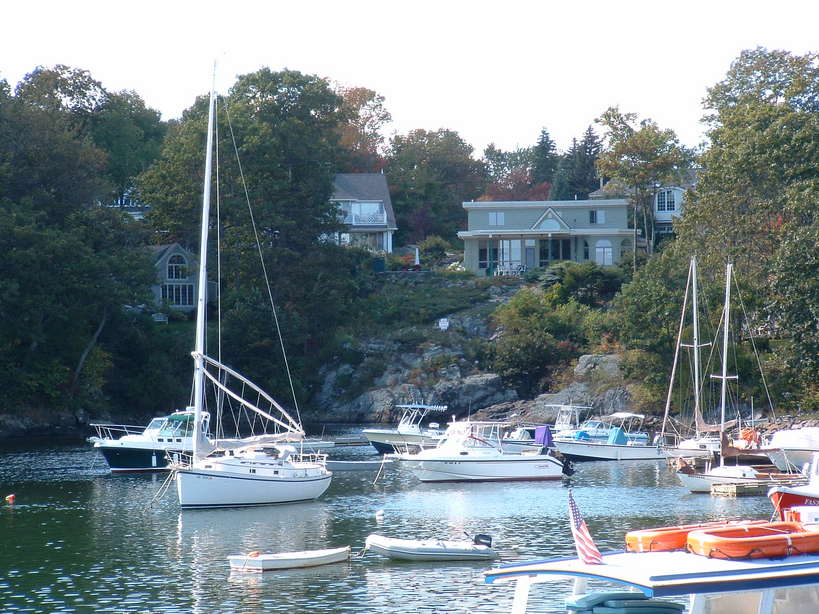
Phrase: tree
x=544 y=159
x=131 y=134
x=641 y=157
x=364 y=117
x=431 y=175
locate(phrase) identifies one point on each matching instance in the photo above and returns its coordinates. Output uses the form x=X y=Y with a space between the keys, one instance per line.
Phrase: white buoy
x=379 y=515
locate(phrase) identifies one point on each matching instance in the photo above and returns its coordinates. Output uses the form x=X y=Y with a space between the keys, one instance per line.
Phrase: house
x=177 y=277
x=364 y=204
x=509 y=237
x=668 y=202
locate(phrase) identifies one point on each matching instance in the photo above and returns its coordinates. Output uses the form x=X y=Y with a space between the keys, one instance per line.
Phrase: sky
x=495 y=72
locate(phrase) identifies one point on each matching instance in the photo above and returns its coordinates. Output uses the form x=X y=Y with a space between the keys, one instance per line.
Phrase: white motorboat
x=472 y=451
x=625 y=440
x=258 y=562
x=410 y=431
x=477 y=549
x=792 y=449
x=248 y=469
x=131 y=448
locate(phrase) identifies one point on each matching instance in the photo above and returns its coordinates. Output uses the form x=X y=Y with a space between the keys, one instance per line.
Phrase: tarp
x=617 y=437
x=543 y=436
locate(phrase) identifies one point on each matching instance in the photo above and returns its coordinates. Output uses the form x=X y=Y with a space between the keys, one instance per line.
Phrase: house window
x=177 y=267
x=178 y=294
x=496 y=218
x=487 y=254
x=666 y=200
x=552 y=250
x=597 y=216
x=603 y=253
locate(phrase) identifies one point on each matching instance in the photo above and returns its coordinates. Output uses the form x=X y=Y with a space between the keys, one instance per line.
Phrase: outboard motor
x=482 y=539
x=568 y=467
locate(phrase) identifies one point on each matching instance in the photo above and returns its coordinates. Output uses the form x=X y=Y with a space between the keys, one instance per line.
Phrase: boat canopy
x=669 y=574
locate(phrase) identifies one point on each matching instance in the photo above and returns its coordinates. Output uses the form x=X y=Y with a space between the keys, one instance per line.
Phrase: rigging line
x=676 y=357
x=264 y=267
x=756 y=352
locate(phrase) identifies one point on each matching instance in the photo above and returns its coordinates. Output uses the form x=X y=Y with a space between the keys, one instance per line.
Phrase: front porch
x=516 y=255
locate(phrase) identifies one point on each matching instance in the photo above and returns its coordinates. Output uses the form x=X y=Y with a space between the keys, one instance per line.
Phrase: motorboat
x=624 y=440
x=258 y=561
x=258 y=464
x=132 y=448
x=785 y=497
x=792 y=449
x=700 y=581
x=409 y=431
x=477 y=549
x=472 y=451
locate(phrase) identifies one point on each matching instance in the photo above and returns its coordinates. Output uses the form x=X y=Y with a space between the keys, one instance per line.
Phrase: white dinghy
x=258 y=562
x=477 y=549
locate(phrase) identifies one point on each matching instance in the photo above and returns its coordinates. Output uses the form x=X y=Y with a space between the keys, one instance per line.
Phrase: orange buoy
x=663 y=539
x=10 y=499
x=765 y=540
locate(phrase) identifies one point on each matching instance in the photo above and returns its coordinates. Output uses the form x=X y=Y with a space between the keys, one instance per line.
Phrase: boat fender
x=10 y=499
x=482 y=539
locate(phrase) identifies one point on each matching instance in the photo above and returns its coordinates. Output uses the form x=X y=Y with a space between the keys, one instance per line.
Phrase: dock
x=351 y=440
x=739 y=490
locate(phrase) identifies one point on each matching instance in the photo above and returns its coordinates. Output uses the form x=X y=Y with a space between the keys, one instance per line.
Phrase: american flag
x=586 y=550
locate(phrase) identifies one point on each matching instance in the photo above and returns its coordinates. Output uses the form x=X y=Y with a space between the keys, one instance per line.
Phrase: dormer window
x=666 y=201
x=177 y=267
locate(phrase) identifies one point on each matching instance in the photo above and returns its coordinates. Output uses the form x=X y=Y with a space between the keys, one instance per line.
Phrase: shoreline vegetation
x=75 y=158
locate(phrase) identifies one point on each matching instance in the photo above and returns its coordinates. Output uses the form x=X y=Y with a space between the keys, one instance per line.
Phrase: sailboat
x=727 y=474
x=259 y=469
x=706 y=443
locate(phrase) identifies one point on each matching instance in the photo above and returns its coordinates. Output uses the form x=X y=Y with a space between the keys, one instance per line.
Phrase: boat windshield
x=155 y=425
x=178 y=425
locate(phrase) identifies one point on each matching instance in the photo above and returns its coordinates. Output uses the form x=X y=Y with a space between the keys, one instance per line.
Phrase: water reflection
x=80 y=539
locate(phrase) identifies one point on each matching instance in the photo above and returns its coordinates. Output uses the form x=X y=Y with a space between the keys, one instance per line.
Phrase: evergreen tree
x=544 y=159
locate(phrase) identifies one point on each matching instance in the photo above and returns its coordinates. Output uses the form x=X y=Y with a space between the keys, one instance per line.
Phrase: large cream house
x=510 y=237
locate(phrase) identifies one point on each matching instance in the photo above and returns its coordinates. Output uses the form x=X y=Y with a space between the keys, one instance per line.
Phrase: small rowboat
x=766 y=540
x=258 y=562
x=664 y=539
x=430 y=549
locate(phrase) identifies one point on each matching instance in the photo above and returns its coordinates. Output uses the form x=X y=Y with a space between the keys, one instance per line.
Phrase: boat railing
x=115 y=431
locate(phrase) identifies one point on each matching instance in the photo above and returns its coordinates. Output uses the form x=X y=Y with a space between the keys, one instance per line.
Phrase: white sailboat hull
x=589 y=450
x=504 y=467
x=256 y=562
x=200 y=488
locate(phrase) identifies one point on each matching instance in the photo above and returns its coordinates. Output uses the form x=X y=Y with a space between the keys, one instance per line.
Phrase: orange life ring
x=663 y=539
x=766 y=540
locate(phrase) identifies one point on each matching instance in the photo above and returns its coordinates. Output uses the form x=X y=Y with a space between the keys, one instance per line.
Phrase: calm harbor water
x=79 y=539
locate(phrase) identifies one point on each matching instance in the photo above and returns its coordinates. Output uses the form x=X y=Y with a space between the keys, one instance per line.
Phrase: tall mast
x=724 y=378
x=199 y=347
x=695 y=310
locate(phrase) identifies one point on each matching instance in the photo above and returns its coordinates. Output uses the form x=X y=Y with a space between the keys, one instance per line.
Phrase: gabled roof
x=550 y=220
x=364 y=186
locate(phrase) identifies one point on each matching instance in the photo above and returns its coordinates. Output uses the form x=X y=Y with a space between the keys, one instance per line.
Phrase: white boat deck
x=668 y=574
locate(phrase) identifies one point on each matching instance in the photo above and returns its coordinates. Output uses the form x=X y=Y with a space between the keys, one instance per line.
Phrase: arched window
x=603 y=253
x=177 y=267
